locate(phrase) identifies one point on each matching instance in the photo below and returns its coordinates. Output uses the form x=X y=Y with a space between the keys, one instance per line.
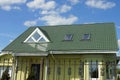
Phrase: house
x=65 y=52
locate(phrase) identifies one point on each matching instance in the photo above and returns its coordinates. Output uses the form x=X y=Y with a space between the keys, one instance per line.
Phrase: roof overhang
x=60 y=52
x=24 y=54
x=4 y=53
x=83 y=52
x=30 y=54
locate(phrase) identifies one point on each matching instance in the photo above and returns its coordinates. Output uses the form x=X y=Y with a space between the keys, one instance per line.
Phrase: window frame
x=110 y=73
x=31 y=39
x=86 y=36
x=94 y=64
x=68 y=37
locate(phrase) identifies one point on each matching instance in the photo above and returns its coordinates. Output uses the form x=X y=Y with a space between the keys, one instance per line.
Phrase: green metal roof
x=102 y=37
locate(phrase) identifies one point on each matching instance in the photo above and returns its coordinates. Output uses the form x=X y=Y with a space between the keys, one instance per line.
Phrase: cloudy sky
x=17 y=15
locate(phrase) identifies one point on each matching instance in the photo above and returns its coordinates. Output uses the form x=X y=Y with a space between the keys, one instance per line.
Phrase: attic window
x=68 y=37
x=37 y=36
x=86 y=37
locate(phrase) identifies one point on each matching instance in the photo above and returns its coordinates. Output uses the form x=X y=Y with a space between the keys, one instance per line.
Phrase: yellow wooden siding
x=6 y=60
x=24 y=66
x=53 y=62
x=73 y=61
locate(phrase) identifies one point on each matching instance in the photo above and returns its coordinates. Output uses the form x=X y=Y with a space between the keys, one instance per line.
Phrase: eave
x=84 y=52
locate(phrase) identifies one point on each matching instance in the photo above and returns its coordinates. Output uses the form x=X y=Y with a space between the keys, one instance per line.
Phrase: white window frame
x=36 y=41
x=98 y=71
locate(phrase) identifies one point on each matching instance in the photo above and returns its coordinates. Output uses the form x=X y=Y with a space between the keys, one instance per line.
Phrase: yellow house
x=64 y=52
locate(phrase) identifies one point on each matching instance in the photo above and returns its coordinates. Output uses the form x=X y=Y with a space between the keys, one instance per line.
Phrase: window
x=86 y=37
x=93 y=69
x=36 y=71
x=81 y=69
x=58 y=70
x=110 y=70
x=68 y=37
x=36 y=37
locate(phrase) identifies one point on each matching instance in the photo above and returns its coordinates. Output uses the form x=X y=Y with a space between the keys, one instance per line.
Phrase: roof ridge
x=74 y=24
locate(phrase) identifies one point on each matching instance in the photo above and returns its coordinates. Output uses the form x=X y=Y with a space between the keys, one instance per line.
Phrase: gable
x=36 y=37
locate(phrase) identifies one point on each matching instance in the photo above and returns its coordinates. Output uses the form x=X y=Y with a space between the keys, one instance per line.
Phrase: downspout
x=51 y=52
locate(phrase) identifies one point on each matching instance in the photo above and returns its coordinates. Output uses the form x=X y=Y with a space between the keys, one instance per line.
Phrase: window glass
x=36 y=71
x=30 y=40
x=93 y=69
x=68 y=37
x=42 y=40
x=81 y=69
x=86 y=36
x=36 y=36
x=110 y=67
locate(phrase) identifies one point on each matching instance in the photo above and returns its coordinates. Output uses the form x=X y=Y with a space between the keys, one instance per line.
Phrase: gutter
x=30 y=54
x=83 y=52
x=4 y=53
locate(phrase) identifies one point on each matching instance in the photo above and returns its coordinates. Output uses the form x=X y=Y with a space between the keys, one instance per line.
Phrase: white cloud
x=58 y=20
x=89 y=22
x=10 y=4
x=101 y=4
x=46 y=12
x=64 y=8
x=119 y=42
x=118 y=26
x=41 y=4
x=50 y=13
x=74 y=1
x=8 y=8
x=10 y=40
x=30 y=23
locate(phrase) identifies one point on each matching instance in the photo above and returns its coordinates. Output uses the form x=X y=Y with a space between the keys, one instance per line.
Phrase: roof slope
x=103 y=37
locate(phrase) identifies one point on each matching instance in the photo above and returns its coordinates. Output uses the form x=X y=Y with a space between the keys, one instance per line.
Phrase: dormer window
x=68 y=37
x=36 y=37
x=86 y=37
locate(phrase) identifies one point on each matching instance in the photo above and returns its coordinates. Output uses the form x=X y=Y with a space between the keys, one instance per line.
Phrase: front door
x=36 y=69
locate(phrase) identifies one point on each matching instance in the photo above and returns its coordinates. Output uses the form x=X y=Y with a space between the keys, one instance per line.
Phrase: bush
x=31 y=76
x=5 y=75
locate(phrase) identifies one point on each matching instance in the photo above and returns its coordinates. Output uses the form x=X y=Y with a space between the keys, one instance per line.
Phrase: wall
x=6 y=62
x=59 y=67
x=68 y=67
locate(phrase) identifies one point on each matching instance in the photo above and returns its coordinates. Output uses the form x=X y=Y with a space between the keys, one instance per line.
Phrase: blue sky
x=17 y=15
